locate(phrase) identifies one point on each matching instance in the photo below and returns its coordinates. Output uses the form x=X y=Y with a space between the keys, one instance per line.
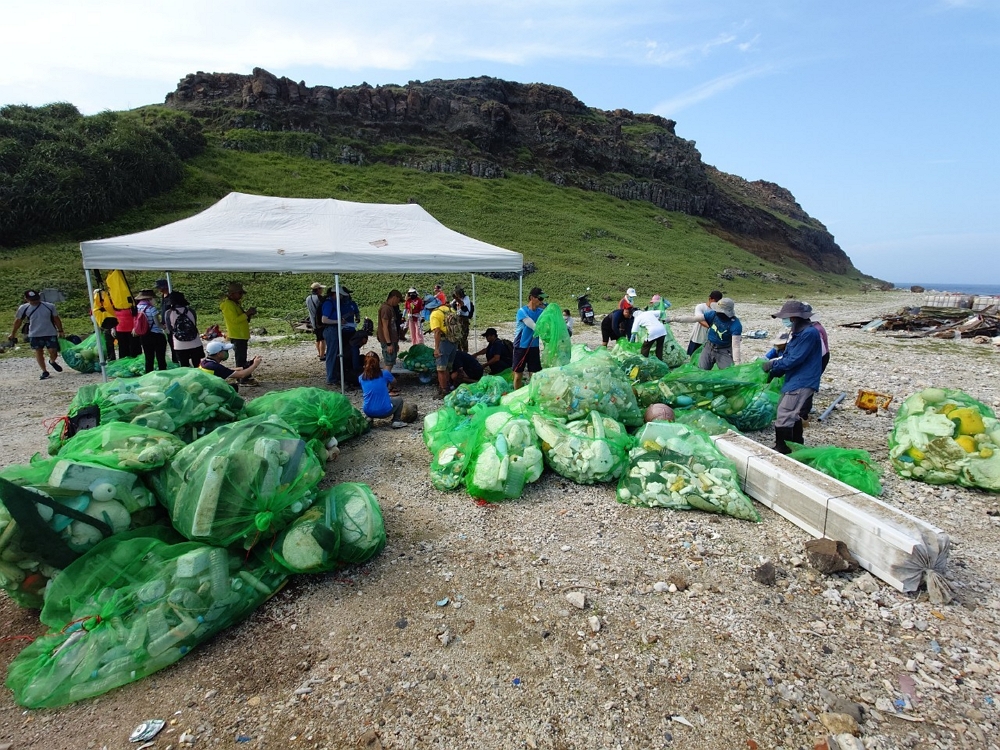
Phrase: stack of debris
x=940 y=322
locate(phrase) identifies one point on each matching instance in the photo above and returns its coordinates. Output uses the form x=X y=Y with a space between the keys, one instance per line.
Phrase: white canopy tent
x=244 y=233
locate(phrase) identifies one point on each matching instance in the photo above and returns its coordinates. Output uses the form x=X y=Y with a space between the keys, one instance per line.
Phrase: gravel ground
x=374 y=657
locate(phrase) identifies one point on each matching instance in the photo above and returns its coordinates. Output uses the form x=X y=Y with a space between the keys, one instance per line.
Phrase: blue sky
x=880 y=116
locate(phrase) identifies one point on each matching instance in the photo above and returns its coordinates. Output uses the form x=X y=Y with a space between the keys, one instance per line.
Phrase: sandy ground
x=357 y=659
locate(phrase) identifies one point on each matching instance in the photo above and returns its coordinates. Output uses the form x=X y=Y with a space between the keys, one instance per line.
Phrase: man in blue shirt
x=526 y=352
x=802 y=364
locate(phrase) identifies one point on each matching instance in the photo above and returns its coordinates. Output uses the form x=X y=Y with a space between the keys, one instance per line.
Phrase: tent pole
x=472 y=320
x=340 y=332
x=170 y=286
x=98 y=333
x=520 y=290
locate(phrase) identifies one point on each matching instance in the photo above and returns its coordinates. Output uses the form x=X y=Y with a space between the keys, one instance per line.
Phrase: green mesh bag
x=551 y=329
x=344 y=526
x=82 y=357
x=702 y=419
x=593 y=383
x=637 y=368
x=54 y=510
x=451 y=438
x=244 y=481
x=488 y=391
x=942 y=436
x=851 y=466
x=120 y=445
x=315 y=413
x=761 y=410
x=132 y=367
x=589 y=450
x=507 y=457
x=419 y=358
x=675 y=467
x=186 y=402
x=133 y=605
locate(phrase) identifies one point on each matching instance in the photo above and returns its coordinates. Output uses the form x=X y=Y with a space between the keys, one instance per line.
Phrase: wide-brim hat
x=431 y=302
x=780 y=340
x=726 y=306
x=794 y=309
x=315 y=285
x=145 y=294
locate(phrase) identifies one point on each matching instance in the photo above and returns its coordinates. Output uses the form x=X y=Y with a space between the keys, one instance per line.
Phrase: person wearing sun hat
x=527 y=355
x=216 y=352
x=725 y=334
x=413 y=305
x=802 y=364
x=628 y=299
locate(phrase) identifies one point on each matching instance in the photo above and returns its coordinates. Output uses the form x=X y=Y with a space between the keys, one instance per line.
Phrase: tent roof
x=258 y=233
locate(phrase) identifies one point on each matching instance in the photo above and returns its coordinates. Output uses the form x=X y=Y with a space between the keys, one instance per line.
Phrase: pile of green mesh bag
x=170 y=520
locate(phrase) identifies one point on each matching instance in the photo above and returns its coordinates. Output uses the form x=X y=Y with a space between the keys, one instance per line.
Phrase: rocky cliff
x=488 y=127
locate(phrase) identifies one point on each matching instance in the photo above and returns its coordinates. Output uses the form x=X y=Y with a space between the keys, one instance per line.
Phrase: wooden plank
x=881 y=537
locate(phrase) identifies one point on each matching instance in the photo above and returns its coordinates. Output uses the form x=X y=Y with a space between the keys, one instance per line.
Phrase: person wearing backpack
x=463 y=306
x=444 y=346
x=163 y=289
x=183 y=324
x=44 y=327
x=526 y=343
x=149 y=328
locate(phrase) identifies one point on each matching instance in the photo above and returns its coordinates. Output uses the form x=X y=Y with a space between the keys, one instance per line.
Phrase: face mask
x=786 y=322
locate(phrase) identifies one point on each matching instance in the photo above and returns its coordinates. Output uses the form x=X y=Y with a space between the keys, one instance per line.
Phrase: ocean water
x=980 y=289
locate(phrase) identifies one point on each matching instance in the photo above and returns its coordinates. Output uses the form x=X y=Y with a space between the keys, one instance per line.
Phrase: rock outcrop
x=487 y=127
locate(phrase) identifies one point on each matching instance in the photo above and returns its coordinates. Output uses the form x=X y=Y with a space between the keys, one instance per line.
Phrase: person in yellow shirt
x=444 y=350
x=237 y=322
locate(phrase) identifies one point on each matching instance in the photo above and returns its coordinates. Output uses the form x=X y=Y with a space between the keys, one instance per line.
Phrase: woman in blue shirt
x=378 y=404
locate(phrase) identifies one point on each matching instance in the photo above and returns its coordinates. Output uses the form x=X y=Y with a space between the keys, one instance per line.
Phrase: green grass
x=575 y=239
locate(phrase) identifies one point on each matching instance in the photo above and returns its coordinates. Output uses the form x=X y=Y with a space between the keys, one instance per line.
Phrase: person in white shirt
x=569 y=320
x=699 y=334
x=656 y=332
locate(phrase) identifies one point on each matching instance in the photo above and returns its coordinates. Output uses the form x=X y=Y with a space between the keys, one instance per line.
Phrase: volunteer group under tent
x=245 y=232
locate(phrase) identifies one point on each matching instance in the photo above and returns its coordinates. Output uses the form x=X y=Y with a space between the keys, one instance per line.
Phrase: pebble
x=577 y=598
x=595 y=624
x=839 y=723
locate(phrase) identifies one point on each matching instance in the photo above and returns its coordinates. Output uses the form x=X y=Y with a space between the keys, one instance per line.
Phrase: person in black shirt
x=465 y=369
x=498 y=356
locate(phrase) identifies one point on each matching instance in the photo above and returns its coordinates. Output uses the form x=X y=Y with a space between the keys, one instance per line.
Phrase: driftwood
x=939 y=322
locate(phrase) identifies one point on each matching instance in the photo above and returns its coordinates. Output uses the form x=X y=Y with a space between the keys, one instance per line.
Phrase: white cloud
x=707 y=90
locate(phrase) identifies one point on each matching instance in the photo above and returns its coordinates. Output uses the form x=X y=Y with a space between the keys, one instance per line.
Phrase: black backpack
x=183 y=328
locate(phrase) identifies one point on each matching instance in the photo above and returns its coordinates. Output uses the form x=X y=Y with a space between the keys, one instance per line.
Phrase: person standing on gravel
x=44 y=329
x=801 y=363
x=314 y=306
x=237 y=321
x=725 y=334
x=699 y=334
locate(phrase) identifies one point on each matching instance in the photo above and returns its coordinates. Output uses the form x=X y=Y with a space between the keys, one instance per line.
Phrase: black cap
x=161 y=284
x=536 y=292
x=490 y=332
x=31 y=294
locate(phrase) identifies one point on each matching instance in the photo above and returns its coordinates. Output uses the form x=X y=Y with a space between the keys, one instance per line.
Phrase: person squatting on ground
x=314 y=307
x=44 y=329
x=699 y=334
x=374 y=381
x=189 y=352
x=153 y=341
x=444 y=350
x=656 y=332
x=465 y=369
x=527 y=355
x=216 y=352
x=801 y=363
x=237 y=322
x=725 y=334
x=616 y=325
x=413 y=306
x=499 y=356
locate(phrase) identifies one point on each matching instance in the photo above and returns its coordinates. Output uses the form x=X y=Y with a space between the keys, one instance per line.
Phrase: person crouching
x=378 y=404
x=802 y=364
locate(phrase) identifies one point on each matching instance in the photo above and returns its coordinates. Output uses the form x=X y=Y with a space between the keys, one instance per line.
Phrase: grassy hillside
x=575 y=239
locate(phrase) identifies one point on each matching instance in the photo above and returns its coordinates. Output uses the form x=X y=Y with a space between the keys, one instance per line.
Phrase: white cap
x=630 y=292
x=216 y=346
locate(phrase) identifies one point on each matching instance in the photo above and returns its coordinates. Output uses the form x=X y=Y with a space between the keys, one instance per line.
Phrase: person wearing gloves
x=444 y=350
x=699 y=334
x=628 y=300
x=216 y=351
x=656 y=332
x=526 y=352
x=725 y=334
x=801 y=363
